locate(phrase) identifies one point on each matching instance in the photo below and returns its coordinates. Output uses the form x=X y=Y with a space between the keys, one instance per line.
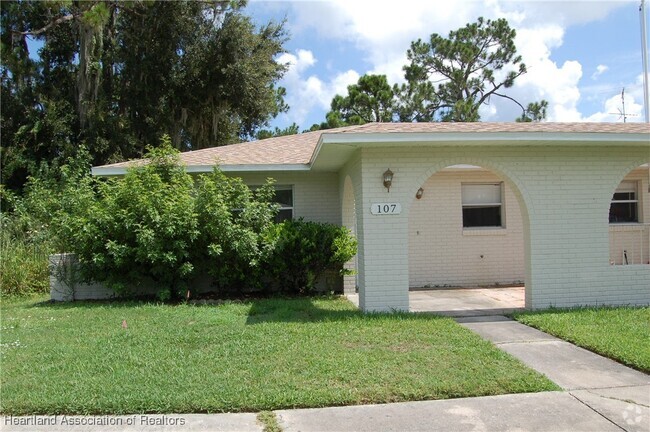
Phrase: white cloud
x=545 y=79
x=612 y=109
x=382 y=31
x=600 y=69
x=308 y=92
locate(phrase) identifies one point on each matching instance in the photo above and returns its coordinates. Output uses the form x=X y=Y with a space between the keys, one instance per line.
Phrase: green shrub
x=232 y=220
x=300 y=252
x=140 y=231
x=158 y=228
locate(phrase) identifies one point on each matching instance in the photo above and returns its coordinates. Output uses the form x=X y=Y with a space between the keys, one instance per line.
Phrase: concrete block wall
x=564 y=193
x=443 y=253
x=65 y=287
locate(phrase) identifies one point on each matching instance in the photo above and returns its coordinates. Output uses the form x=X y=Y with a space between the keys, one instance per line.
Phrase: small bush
x=300 y=252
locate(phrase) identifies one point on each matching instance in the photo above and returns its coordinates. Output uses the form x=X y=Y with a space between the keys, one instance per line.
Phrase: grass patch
x=269 y=421
x=77 y=358
x=620 y=333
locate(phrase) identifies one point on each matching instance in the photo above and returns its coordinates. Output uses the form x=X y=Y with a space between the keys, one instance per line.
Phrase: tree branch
x=47 y=27
x=508 y=97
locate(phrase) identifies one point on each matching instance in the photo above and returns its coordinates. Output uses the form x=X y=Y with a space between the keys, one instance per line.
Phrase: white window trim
x=500 y=204
x=635 y=188
x=279 y=188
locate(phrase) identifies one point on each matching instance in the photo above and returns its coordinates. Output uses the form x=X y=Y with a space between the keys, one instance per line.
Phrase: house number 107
x=385 y=208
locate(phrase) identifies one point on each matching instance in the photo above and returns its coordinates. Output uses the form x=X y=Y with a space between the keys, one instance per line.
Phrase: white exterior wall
x=564 y=193
x=443 y=253
x=315 y=195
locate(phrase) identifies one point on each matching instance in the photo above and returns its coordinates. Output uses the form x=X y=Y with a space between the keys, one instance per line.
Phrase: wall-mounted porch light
x=419 y=193
x=388 y=179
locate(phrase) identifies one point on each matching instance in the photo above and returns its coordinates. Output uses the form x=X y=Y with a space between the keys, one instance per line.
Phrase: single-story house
x=562 y=207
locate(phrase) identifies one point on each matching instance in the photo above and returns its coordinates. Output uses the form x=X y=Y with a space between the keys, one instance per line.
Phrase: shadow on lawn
x=262 y=310
x=299 y=310
x=306 y=310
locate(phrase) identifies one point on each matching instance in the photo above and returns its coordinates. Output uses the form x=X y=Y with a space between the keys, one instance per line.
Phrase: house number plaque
x=386 y=209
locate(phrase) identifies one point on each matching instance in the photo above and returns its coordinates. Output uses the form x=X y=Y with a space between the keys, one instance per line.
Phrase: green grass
x=269 y=421
x=622 y=333
x=239 y=356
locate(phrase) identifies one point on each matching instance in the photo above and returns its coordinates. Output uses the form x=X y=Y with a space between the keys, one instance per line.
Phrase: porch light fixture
x=419 y=193
x=388 y=179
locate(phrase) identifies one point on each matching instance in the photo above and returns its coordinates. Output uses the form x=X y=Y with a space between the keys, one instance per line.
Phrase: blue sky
x=580 y=54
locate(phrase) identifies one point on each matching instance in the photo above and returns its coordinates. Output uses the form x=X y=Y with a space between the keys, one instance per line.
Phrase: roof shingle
x=298 y=149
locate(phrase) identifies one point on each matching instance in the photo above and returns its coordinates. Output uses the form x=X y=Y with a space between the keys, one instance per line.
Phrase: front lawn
x=239 y=356
x=622 y=333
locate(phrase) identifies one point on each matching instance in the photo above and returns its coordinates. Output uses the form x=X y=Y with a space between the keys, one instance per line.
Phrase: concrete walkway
x=599 y=395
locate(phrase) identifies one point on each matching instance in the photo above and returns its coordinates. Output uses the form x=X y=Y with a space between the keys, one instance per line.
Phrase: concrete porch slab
x=464 y=302
x=460 y=302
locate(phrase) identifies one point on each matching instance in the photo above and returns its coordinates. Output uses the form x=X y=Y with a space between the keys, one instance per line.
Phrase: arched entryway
x=629 y=219
x=468 y=229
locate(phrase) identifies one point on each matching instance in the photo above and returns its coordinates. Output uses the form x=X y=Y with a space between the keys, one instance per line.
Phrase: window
x=624 y=203
x=284 y=197
x=481 y=205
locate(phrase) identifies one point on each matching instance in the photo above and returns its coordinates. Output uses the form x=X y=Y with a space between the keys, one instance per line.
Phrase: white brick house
x=498 y=203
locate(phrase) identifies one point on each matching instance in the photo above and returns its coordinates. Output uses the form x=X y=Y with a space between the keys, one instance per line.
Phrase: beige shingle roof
x=298 y=149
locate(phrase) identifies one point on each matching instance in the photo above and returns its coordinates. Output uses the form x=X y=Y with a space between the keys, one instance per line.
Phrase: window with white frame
x=625 y=203
x=482 y=205
x=284 y=198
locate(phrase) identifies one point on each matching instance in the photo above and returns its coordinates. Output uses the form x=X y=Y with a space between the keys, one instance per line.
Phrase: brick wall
x=564 y=195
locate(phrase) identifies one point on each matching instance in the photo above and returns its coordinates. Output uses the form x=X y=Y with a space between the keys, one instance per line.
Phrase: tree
x=450 y=78
x=371 y=99
x=534 y=112
x=277 y=132
x=117 y=75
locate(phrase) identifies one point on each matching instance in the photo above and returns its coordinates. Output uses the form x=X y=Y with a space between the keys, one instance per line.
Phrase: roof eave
x=487 y=138
x=110 y=171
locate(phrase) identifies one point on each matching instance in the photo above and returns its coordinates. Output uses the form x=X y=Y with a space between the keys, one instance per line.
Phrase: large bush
x=141 y=228
x=158 y=228
x=302 y=251
x=232 y=219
